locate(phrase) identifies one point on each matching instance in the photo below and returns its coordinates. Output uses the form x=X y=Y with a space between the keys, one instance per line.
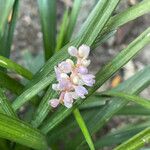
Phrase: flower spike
x=72 y=77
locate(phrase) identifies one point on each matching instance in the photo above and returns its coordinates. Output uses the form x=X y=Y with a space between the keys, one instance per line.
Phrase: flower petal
x=68 y=100
x=65 y=67
x=73 y=51
x=81 y=91
x=88 y=79
x=54 y=102
x=82 y=70
x=57 y=72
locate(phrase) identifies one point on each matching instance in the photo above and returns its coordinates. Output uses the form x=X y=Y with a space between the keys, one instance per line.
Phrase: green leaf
x=30 y=93
x=103 y=75
x=120 y=135
x=42 y=109
x=63 y=30
x=6 y=40
x=47 y=10
x=5 y=10
x=122 y=18
x=99 y=25
x=72 y=19
x=9 y=64
x=137 y=141
x=134 y=110
x=129 y=97
x=6 y=105
x=83 y=128
x=10 y=83
x=19 y=132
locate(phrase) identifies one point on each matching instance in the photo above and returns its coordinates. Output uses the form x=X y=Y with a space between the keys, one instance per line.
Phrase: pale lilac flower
x=88 y=79
x=64 y=84
x=65 y=67
x=57 y=72
x=68 y=100
x=72 y=77
x=82 y=70
x=81 y=91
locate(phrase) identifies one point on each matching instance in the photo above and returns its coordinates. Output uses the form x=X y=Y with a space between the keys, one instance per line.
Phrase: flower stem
x=83 y=128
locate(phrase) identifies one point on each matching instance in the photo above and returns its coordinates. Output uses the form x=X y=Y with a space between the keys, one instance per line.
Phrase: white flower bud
x=72 y=51
x=86 y=62
x=70 y=62
x=84 y=51
x=75 y=80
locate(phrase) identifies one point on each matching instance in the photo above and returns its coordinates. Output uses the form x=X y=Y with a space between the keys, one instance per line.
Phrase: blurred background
x=27 y=45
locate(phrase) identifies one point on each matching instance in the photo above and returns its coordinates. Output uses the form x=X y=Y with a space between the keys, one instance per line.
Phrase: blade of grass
x=19 y=132
x=129 y=97
x=63 y=30
x=6 y=40
x=101 y=4
x=122 y=18
x=30 y=93
x=5 y=9
x=72 y=19
x=10 y=83
x=47 y=10
x=103 y=75
x=134 y=110
x=5 y=105
x=9 y=64
x=137 y=141
x=83 y=128
x=120 y=135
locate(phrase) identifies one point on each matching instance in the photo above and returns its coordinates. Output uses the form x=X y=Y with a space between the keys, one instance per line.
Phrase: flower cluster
x=72 y=77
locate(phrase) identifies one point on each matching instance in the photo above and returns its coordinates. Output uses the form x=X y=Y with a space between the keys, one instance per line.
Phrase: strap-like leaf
x=83 y=128
x=6 y=40
x=47 y=9
x=120 y=135
x=63 y=30
x=5 y=10
x=129 y=97
x=20 y=132
x=134 y=110
x=6 y=105
x=136 y=141
x=7 y=63
x=30 y=93
x=72 y=19
x=10 y=83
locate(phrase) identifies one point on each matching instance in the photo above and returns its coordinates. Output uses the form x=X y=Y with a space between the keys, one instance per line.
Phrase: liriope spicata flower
x=73 y=77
